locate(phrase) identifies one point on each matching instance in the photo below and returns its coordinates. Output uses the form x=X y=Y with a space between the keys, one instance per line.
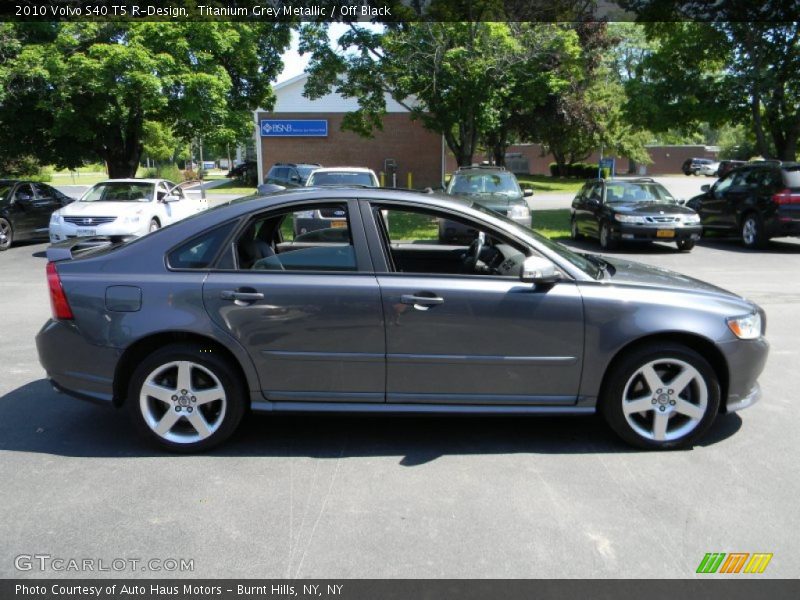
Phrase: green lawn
x=79 y=177
x=232 y=186
x=545 y=183
x=552 y=223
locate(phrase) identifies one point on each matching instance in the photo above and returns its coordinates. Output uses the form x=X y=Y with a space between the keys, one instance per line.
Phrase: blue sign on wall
x=294 y=128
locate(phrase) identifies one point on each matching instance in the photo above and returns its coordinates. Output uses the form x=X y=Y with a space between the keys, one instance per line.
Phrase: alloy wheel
x=665 y=399
x=750 y=231
x=6 y=234
x=183 y=402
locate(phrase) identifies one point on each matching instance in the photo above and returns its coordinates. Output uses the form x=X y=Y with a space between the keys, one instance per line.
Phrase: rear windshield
x=341 y=178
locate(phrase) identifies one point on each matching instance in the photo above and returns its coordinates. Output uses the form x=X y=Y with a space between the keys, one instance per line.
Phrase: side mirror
x=536 y=269
x=593 y=202
x=527 y=192
x=170 y=198
x=705 y=187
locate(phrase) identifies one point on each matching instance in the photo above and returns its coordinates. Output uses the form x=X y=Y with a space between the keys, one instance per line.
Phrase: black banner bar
x=734 y=588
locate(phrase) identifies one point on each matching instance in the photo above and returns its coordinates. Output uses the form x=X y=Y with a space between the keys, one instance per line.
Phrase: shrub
x=553 y=169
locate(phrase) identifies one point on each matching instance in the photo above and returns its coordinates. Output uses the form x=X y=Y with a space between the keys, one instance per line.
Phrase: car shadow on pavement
x=775 y=246
x=34 y=418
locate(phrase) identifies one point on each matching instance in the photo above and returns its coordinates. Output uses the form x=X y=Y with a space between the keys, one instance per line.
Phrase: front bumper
x=668 y=232
x=62 y=231
x=746 y=360
x=75 y=366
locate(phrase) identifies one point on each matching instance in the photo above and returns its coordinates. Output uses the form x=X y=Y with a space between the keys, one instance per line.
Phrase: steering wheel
x=473 y=253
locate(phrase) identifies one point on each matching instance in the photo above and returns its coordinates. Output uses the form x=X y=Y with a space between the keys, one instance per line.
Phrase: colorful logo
x=734 y=562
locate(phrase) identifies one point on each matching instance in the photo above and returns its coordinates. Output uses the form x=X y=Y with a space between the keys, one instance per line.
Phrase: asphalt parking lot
x=405 y=497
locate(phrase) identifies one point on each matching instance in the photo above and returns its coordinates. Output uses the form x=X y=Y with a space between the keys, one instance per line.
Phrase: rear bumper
x=785 y=222
x=75 y=366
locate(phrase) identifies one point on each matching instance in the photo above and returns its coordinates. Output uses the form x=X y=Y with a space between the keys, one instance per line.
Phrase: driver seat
x=253 y=249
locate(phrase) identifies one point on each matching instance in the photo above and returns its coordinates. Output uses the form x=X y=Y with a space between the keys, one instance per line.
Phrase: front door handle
x=421 y=301
x=241 y=296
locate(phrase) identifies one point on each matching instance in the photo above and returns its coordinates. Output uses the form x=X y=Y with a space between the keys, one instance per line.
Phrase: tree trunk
x=761 y=139
x=499 y=154
x=122 y=150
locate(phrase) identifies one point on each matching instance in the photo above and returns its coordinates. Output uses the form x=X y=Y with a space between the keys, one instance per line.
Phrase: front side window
x=308 y=238
x=413 y=244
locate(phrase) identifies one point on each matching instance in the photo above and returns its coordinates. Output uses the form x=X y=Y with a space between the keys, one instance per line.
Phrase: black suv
x=758 y=202
x=691 y=166
x=290 y=174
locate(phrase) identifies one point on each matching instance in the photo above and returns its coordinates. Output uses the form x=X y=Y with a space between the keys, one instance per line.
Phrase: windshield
x=341 y=178
x=587 y=266
x=638 y=192
x=485 y=184
x=120 y=191
x=304 y=171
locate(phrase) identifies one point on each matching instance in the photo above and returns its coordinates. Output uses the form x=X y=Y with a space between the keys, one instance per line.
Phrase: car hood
x=628 y=272
x=649 y=208
x=493 y=202
x=99 y=209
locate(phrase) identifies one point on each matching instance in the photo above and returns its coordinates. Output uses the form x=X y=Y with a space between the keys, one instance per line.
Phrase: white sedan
x=708 y=169
x=123 y=207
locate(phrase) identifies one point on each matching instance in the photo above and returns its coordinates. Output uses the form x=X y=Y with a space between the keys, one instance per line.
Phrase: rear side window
x=792 y=177
x=199 y=252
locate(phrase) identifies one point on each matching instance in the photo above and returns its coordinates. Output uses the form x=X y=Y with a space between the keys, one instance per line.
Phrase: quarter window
x=199 y=252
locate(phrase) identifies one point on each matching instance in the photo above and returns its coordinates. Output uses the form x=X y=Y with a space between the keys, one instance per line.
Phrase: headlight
x=55 y=217
x=519 y=211
x=691 y=219
x=131 y=219
x=629 y=219
x=747 y=327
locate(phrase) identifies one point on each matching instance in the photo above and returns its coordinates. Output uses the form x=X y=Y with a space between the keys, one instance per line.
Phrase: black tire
x=607 y=242
x=626 y=388
x=685 y=245
x=573 y=230
x=6 y=235
x=154 y=225
x=220 y=416
x=752 y=231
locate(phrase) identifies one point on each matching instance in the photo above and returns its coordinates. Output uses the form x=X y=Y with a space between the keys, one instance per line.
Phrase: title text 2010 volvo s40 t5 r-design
x=194 y=324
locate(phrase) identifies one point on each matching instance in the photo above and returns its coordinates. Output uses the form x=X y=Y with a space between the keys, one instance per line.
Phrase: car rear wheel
x=573 y=230
x=685 y=245
x=753 y=231
x=154 y=225
x=607 y=242
x=661 y=396
x=185 y=398
x=6 y=235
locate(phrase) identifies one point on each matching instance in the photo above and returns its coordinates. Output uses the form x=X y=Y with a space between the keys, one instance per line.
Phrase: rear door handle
x=241 y=296
x=421 y=302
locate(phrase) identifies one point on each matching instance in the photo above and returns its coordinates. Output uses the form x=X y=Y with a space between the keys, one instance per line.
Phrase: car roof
x=343 y=170
x=130 y=180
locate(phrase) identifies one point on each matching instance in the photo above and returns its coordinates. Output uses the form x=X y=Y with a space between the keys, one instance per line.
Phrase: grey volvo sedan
x=227 y=311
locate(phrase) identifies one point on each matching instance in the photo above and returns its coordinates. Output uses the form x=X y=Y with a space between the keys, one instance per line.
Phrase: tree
x=85 y=90
x=740 y=68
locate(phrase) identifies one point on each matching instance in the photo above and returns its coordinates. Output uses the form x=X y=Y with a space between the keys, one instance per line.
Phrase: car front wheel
x=607 y=241
x=661 y=396
x=185 y=398
x=154 y=225
x=573 y=230
x=685 y=245
x=6 y=235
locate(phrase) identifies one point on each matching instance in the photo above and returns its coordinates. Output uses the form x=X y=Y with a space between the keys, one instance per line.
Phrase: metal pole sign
x=294 y=128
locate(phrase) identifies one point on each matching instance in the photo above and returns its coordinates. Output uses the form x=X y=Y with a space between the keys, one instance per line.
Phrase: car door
x=46 y=203
x=308 y=312
x=460 y=338
x=594 y=209
x=716 y=206
x=24 y=212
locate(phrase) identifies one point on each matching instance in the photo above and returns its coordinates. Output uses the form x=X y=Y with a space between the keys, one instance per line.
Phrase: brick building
x=414 y=150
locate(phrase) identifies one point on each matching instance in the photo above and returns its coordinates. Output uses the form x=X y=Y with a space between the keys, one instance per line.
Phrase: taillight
x=58 y=299
x=786 y=197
